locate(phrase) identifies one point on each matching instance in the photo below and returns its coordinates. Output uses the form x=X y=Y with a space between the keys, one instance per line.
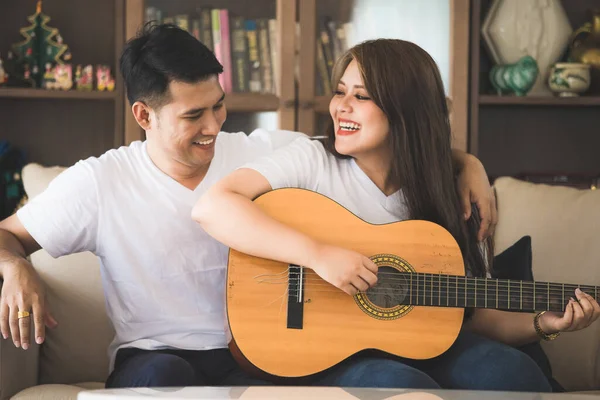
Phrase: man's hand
x=22 y=291
x=579 y=314
x=474 y=187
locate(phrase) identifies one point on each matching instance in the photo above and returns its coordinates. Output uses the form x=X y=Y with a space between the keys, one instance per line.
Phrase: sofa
x=565 y=242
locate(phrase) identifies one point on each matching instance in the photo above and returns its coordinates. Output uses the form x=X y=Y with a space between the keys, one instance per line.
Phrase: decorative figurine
x=48 y=81
x=63 y=75
x=517 y=78
x=41 y=44
x=584 y=47
x=26 y=72
x=3 y=75
x=77 y=76
x=14 y=70
x=104 y=80
x=10 y=69
x=569 y=79
x=86 y=78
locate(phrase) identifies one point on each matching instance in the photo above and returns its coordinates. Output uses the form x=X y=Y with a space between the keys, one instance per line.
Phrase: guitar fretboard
x=460 y=291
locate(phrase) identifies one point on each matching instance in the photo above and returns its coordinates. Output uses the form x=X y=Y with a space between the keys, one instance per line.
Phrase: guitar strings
x=502 y=303
x=424 y=290
x=445 y=276
x=470 y=278
x=503 y=285
x=428 y=294
x=471 y=282
x=435 y=293
x=452 y=301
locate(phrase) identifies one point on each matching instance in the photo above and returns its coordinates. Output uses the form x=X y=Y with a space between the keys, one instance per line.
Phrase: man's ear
x=142 y=113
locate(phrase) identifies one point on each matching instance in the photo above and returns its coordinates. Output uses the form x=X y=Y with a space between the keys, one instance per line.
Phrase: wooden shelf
x=322 y=104
x=251 y=102
x=24 y=93
x=240 y=102
x=539 y=101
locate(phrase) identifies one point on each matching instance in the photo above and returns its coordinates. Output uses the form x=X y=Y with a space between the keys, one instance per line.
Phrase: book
x=226 y=50
x=265 y=55
x=253 y=57
x=239 y=55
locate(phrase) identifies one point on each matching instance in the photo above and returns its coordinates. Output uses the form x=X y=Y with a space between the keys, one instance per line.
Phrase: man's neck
x=185 y=175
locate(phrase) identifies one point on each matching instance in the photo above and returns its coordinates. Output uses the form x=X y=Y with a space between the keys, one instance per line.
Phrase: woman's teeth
x=349 y=126
x=205 y=142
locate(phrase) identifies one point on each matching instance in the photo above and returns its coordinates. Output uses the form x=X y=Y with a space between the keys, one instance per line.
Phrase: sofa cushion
x=76 y=350
x=515 y=263
x=56 y=391
x=562 y=224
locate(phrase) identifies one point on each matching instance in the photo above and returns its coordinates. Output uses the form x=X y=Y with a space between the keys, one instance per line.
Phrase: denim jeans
x=473 y=362
x=167 y=368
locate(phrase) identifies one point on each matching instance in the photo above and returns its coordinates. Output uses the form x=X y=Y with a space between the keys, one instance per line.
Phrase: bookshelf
x=313 y=105
x=531 y=135
x=278 y=96
x=61 y=127
x=322 y=104
x=491 y=100
x=26 y=93
x=313 y=99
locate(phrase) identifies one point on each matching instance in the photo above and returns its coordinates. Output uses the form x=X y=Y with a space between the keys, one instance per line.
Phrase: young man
x=163 y=276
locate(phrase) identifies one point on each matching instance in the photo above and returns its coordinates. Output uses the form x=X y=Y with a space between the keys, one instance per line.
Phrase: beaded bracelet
x=540 y=332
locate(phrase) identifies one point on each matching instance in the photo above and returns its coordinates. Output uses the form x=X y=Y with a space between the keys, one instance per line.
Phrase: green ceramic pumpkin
x=517 y=78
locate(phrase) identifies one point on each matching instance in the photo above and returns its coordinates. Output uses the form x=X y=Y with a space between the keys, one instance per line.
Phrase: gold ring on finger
x=23 y=314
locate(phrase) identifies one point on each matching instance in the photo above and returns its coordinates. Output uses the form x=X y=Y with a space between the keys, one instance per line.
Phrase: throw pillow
x=516 y=263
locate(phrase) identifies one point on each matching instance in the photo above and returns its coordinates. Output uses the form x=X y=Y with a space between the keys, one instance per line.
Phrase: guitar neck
x=460 y=291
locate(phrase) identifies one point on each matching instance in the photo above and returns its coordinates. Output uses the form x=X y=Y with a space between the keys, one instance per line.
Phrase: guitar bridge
x=295 y=305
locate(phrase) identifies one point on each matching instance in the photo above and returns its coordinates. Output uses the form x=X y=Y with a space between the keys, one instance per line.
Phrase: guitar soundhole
x=391 y=289
x=389 y=299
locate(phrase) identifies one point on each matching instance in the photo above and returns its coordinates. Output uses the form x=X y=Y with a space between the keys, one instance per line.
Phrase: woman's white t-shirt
x=306 y=164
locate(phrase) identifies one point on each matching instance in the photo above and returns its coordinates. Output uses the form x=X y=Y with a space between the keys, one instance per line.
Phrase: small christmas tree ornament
x=15 y=71
x=42 y=45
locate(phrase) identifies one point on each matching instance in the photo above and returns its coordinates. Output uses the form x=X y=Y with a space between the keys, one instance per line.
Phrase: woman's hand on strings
x=345 y=269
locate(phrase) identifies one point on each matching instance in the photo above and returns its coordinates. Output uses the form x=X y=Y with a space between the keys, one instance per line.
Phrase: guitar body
x=335 y=325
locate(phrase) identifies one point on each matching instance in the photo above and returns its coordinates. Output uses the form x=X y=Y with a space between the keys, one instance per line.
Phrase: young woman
x=386 y=158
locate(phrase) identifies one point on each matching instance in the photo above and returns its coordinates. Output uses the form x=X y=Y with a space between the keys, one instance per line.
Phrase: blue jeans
x=473 y=362
x=168 y=368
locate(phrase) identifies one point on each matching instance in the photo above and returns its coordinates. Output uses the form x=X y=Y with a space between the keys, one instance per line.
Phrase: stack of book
x=246 y=48
x=332 y=42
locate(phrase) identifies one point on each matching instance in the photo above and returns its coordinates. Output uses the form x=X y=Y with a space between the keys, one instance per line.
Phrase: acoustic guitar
x=288 y=322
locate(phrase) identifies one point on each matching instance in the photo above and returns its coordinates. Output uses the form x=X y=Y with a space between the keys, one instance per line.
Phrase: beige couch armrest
x=18 y=367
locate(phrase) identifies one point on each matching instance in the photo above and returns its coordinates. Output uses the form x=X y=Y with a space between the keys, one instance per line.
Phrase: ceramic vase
x=584 y=48
x=538 y=28
x=569 y=79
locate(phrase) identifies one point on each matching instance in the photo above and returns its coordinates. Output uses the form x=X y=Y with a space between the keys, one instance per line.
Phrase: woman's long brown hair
x=404 y=81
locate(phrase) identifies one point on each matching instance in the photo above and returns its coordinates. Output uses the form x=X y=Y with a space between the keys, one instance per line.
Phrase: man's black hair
x=160 y=54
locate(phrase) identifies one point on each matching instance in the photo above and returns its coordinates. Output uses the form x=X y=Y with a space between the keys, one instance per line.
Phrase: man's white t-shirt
x=306 y=164
x=163 y=276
